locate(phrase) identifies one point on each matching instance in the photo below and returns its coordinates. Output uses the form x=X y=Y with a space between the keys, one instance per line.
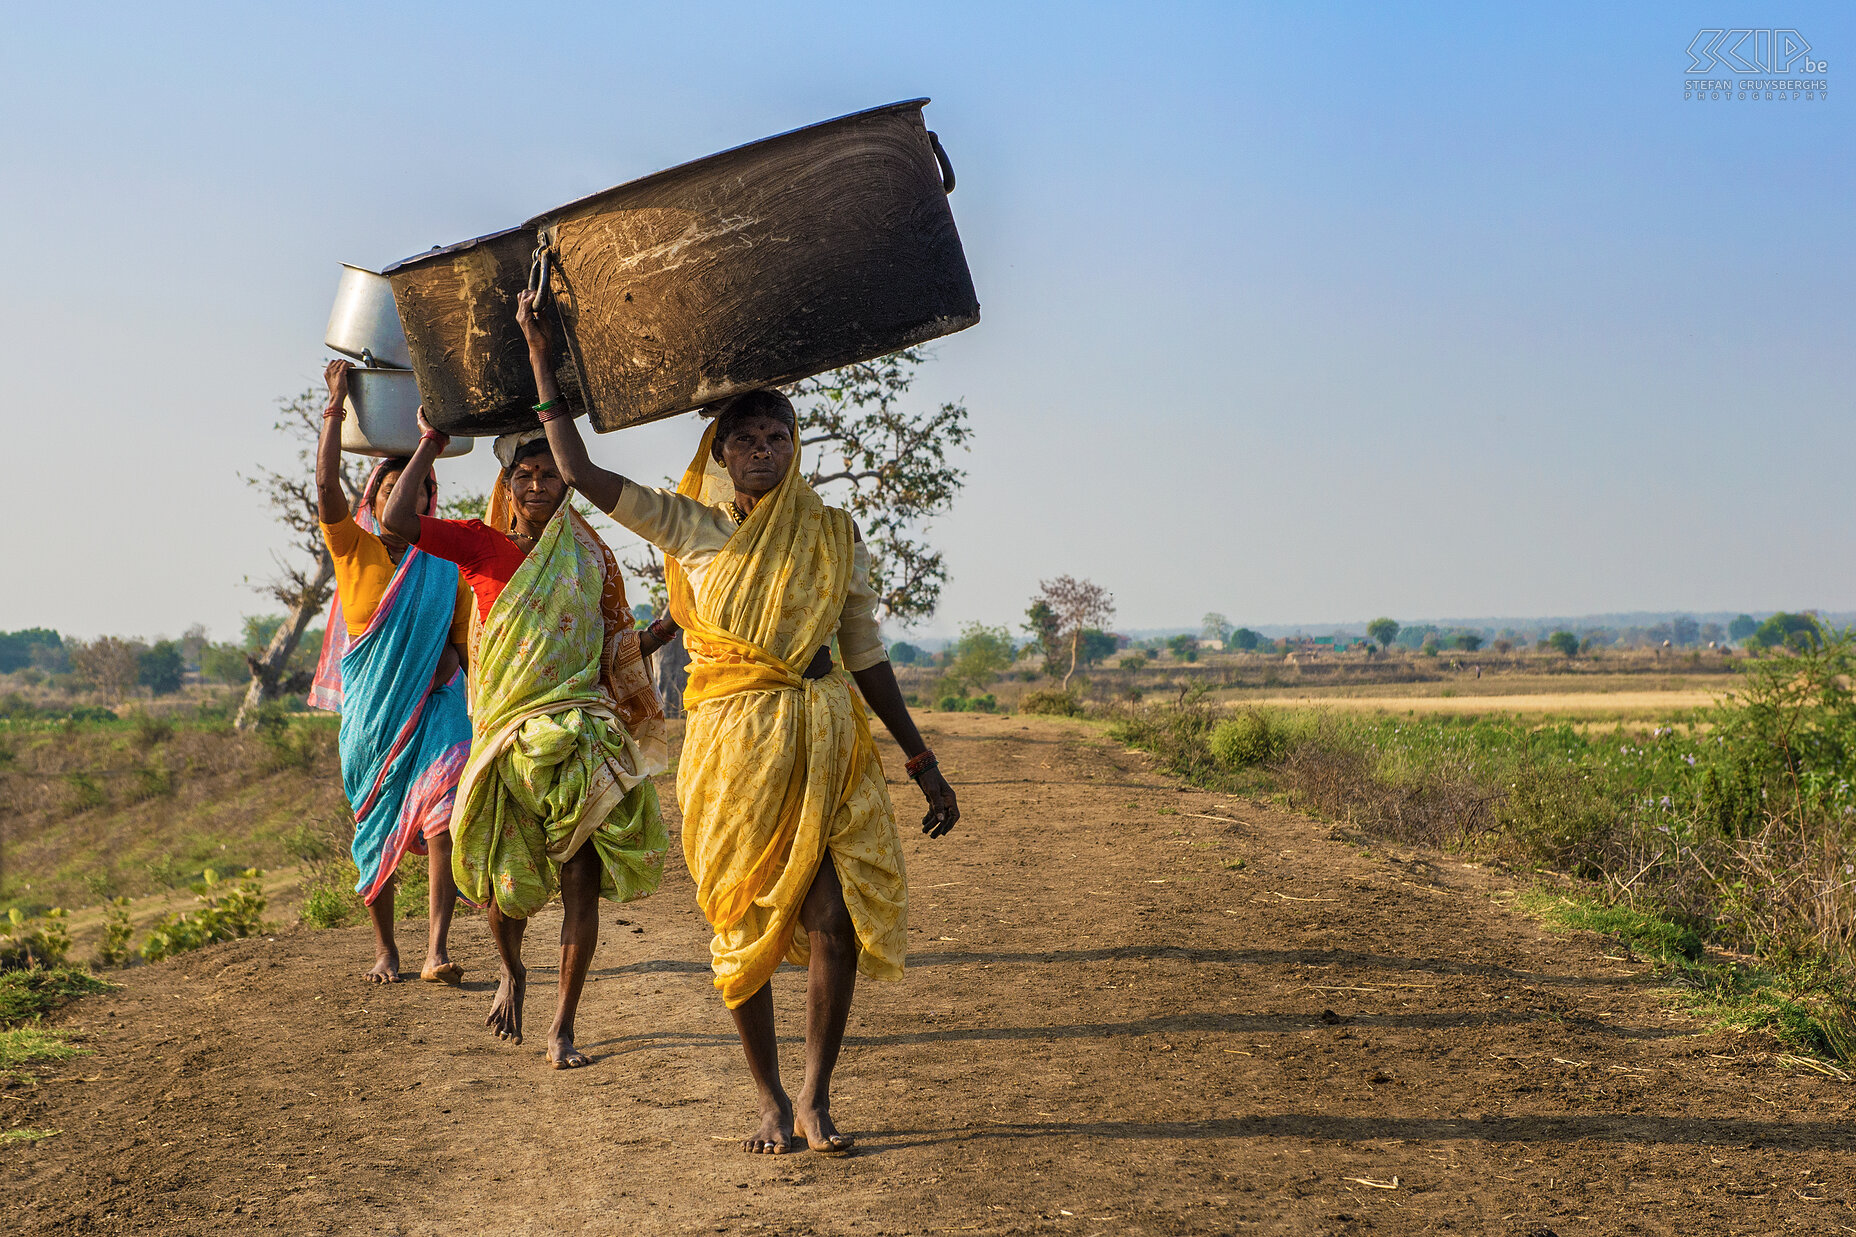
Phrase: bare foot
x=386 y=968
x=814 y=1124
x=775 y=1135
x=561 y=1051
x=442 y=970
x=506 y=1010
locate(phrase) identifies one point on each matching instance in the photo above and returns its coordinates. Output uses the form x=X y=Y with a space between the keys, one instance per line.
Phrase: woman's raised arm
x=601 y=486
x=331 y=502
x=401 y=515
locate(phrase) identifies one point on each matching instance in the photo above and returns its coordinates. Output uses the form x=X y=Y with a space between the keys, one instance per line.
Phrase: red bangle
x=554 y=412
x=434 y=436
x=920 y=764
x=334 y=410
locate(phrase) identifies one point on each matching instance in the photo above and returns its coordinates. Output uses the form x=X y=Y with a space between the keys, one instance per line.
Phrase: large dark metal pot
x=750 y=268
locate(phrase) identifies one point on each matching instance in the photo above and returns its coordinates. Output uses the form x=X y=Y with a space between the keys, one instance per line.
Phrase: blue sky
x=1298 y=313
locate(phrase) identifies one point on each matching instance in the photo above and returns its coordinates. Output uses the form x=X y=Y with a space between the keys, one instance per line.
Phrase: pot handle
x=538 y=276
x=940 y=157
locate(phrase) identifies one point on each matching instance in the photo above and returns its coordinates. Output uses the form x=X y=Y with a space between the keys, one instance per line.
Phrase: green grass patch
x=27 y=1136
x=32 y=1046
x=26 y=996
x=1667 y=943
x=1802 y=1002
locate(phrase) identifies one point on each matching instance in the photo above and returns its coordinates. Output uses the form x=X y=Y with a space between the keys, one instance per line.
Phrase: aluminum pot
x=383 y=415
x=364 y=323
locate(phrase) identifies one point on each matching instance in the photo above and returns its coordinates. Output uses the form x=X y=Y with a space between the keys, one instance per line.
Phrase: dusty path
x=1105 y=1029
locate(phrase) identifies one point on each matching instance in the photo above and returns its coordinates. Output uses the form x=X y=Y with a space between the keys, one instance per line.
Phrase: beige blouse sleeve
x=860 y=642
x=676 y=524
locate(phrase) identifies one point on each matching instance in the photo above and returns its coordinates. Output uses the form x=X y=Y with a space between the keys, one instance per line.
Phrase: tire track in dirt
x=1104 y=1029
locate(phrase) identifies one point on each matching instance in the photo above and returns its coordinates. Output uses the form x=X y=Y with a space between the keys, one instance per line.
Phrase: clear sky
x=1293 y=312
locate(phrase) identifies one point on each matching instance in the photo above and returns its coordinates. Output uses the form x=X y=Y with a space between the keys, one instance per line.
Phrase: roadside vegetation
x=1721 y=843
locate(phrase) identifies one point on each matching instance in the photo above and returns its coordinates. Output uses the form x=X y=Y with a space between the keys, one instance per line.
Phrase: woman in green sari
x=566 y=730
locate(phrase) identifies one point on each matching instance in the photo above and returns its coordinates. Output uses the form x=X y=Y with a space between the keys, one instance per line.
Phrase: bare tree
x=108 y=664
x=1077 y=606
x=306 y=575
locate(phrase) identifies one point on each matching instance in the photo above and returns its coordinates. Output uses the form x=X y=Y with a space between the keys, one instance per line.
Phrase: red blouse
x=485 y=558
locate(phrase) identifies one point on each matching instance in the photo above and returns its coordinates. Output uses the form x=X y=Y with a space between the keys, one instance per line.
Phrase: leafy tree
x=1041 y=621
x=1793 y=631
x=1245 y=639
x=1077 y=606
x=1564 y=642
x=1742 y=627
x=902 y=653
x=1684 y=631
x=1215 y=627
x=224 y=663
x=1184 y=647
x=888 y=466
x=306 y=577
x=981 y=655
x=1097 y=645
x=1468 y=641
x=159 y=668
x=1384 y=630
x=17 y=647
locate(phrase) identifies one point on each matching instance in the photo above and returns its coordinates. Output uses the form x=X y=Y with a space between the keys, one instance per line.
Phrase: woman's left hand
x=943 y=810
x=530 y=321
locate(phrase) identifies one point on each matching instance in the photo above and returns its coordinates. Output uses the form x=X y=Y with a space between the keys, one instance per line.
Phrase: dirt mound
x=1131 y=1008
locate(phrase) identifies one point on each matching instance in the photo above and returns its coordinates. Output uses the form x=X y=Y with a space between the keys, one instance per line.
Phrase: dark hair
x=732 y=411
x=528 y=451
x=394 y=466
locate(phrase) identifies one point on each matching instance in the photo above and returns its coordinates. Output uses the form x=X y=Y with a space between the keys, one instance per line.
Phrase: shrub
x=326 y=906
x=151 y=731
x=308 y=846
x=114 y=951
x=1245 y=740
x=34 y=940
x=291 y=746
x=153 y=780
x=26 y=996
x=85 y=793
x=237 y=912
x=1134 y=661
x=1051 y=703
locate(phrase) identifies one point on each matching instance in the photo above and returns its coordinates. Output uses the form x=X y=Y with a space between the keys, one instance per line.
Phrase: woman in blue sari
x=390 y=664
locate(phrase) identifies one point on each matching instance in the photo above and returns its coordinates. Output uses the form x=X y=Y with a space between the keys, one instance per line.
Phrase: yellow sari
x=779 y=770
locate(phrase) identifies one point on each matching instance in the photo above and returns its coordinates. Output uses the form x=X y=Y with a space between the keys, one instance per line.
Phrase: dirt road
x=1108 y=1027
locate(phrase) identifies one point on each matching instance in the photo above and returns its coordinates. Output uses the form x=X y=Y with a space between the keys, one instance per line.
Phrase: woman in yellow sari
x=778 y=772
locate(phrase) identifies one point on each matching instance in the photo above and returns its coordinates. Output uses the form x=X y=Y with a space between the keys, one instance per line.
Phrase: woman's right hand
x=530 y=321
x=336 y=375
x=426 y=431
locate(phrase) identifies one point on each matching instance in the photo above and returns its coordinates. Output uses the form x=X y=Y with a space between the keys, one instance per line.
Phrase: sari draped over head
x=403 y=741
x=778 y=770
x=567 y=731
